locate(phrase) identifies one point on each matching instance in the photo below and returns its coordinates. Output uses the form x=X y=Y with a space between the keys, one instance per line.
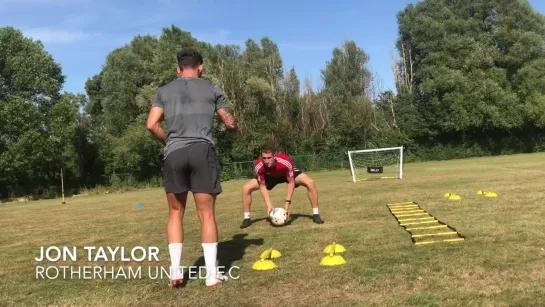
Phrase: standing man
x=188 y=105
x=276 y=168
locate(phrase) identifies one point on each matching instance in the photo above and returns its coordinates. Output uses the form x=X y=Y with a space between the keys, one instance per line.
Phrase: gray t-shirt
x=189 y=106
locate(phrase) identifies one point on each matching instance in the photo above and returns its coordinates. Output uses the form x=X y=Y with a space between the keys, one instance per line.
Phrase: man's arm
x=288 y=167
x=228 y=120
x=222 y=110
x=291 y=188
x=153 y=124
x=155 y=117
x=260 y=175
x=265 y=195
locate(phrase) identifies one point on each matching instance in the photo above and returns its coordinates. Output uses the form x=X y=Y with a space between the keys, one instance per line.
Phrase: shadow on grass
x=293 y=217
x=228 y=252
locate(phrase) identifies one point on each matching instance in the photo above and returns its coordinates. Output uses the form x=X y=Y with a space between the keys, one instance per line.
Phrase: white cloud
x=222 y=37
x=52 y=36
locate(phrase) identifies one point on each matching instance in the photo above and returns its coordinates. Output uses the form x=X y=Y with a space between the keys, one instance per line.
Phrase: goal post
x=379 y=163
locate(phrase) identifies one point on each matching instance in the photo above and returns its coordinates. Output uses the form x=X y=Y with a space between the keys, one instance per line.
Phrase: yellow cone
x=263 y=264
x=275 y=254
x=487 y=193
x=332 y=259
x=270 y=253
x=334 y=248
x=454 y=197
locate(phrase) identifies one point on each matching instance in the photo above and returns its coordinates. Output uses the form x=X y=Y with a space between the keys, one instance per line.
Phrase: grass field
x=501 y=263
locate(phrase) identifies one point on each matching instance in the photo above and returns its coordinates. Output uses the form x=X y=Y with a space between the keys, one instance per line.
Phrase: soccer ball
x=278 y=216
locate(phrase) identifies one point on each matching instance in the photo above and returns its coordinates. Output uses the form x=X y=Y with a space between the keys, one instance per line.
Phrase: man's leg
x=176 y=182
x=306 y=181
x=205 y=185
x=247 y=189
x=209 y=234
x=175 y=234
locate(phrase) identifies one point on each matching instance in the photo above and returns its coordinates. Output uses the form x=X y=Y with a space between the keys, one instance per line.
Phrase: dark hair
x=189 y=58
x=270 y=145
x=269 y=148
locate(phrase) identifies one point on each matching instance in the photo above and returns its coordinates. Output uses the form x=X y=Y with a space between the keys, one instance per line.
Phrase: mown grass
x=501 y=263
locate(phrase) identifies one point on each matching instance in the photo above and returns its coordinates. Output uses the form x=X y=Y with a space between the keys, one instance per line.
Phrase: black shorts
x=192 y=168
x=271 y=182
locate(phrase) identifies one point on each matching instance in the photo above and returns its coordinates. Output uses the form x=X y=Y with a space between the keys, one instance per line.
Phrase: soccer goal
x=380 y=163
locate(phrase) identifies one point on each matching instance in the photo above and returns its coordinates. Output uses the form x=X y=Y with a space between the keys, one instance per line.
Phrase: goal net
x=380 y=163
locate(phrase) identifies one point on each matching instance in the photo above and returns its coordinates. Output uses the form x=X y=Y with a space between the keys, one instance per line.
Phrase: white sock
x=175 y=250
x=246 y=215
x=315 y=211
x=210 y=257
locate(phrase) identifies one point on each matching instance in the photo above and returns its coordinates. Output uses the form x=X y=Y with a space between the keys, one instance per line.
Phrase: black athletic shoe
x=316 y=218
x=246 y=223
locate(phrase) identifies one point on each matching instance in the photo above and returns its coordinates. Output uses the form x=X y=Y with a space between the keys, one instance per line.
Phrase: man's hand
x=269 y=209
x=287 y=208
x=228 y=120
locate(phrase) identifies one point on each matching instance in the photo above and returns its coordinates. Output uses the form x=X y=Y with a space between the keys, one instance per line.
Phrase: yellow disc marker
x=264 y=262
x=487 y=193
x=332 y=259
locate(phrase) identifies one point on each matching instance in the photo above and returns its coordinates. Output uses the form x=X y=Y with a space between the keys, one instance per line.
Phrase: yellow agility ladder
x=421 y=225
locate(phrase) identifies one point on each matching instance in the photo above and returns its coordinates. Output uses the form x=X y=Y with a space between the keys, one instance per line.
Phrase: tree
x=37 y=122
x=471 y=60
x=347 y=94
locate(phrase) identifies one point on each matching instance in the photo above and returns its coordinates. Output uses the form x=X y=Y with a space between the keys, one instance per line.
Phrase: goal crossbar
x=378 y=149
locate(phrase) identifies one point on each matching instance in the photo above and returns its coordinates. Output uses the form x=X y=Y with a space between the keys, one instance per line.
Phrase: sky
x=81 y=33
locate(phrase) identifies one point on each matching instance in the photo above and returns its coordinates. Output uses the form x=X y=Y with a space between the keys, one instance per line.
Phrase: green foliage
x=27 y=70
x=37 y=123
x=347 y=84
x=469 y=82
x=472 y=62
